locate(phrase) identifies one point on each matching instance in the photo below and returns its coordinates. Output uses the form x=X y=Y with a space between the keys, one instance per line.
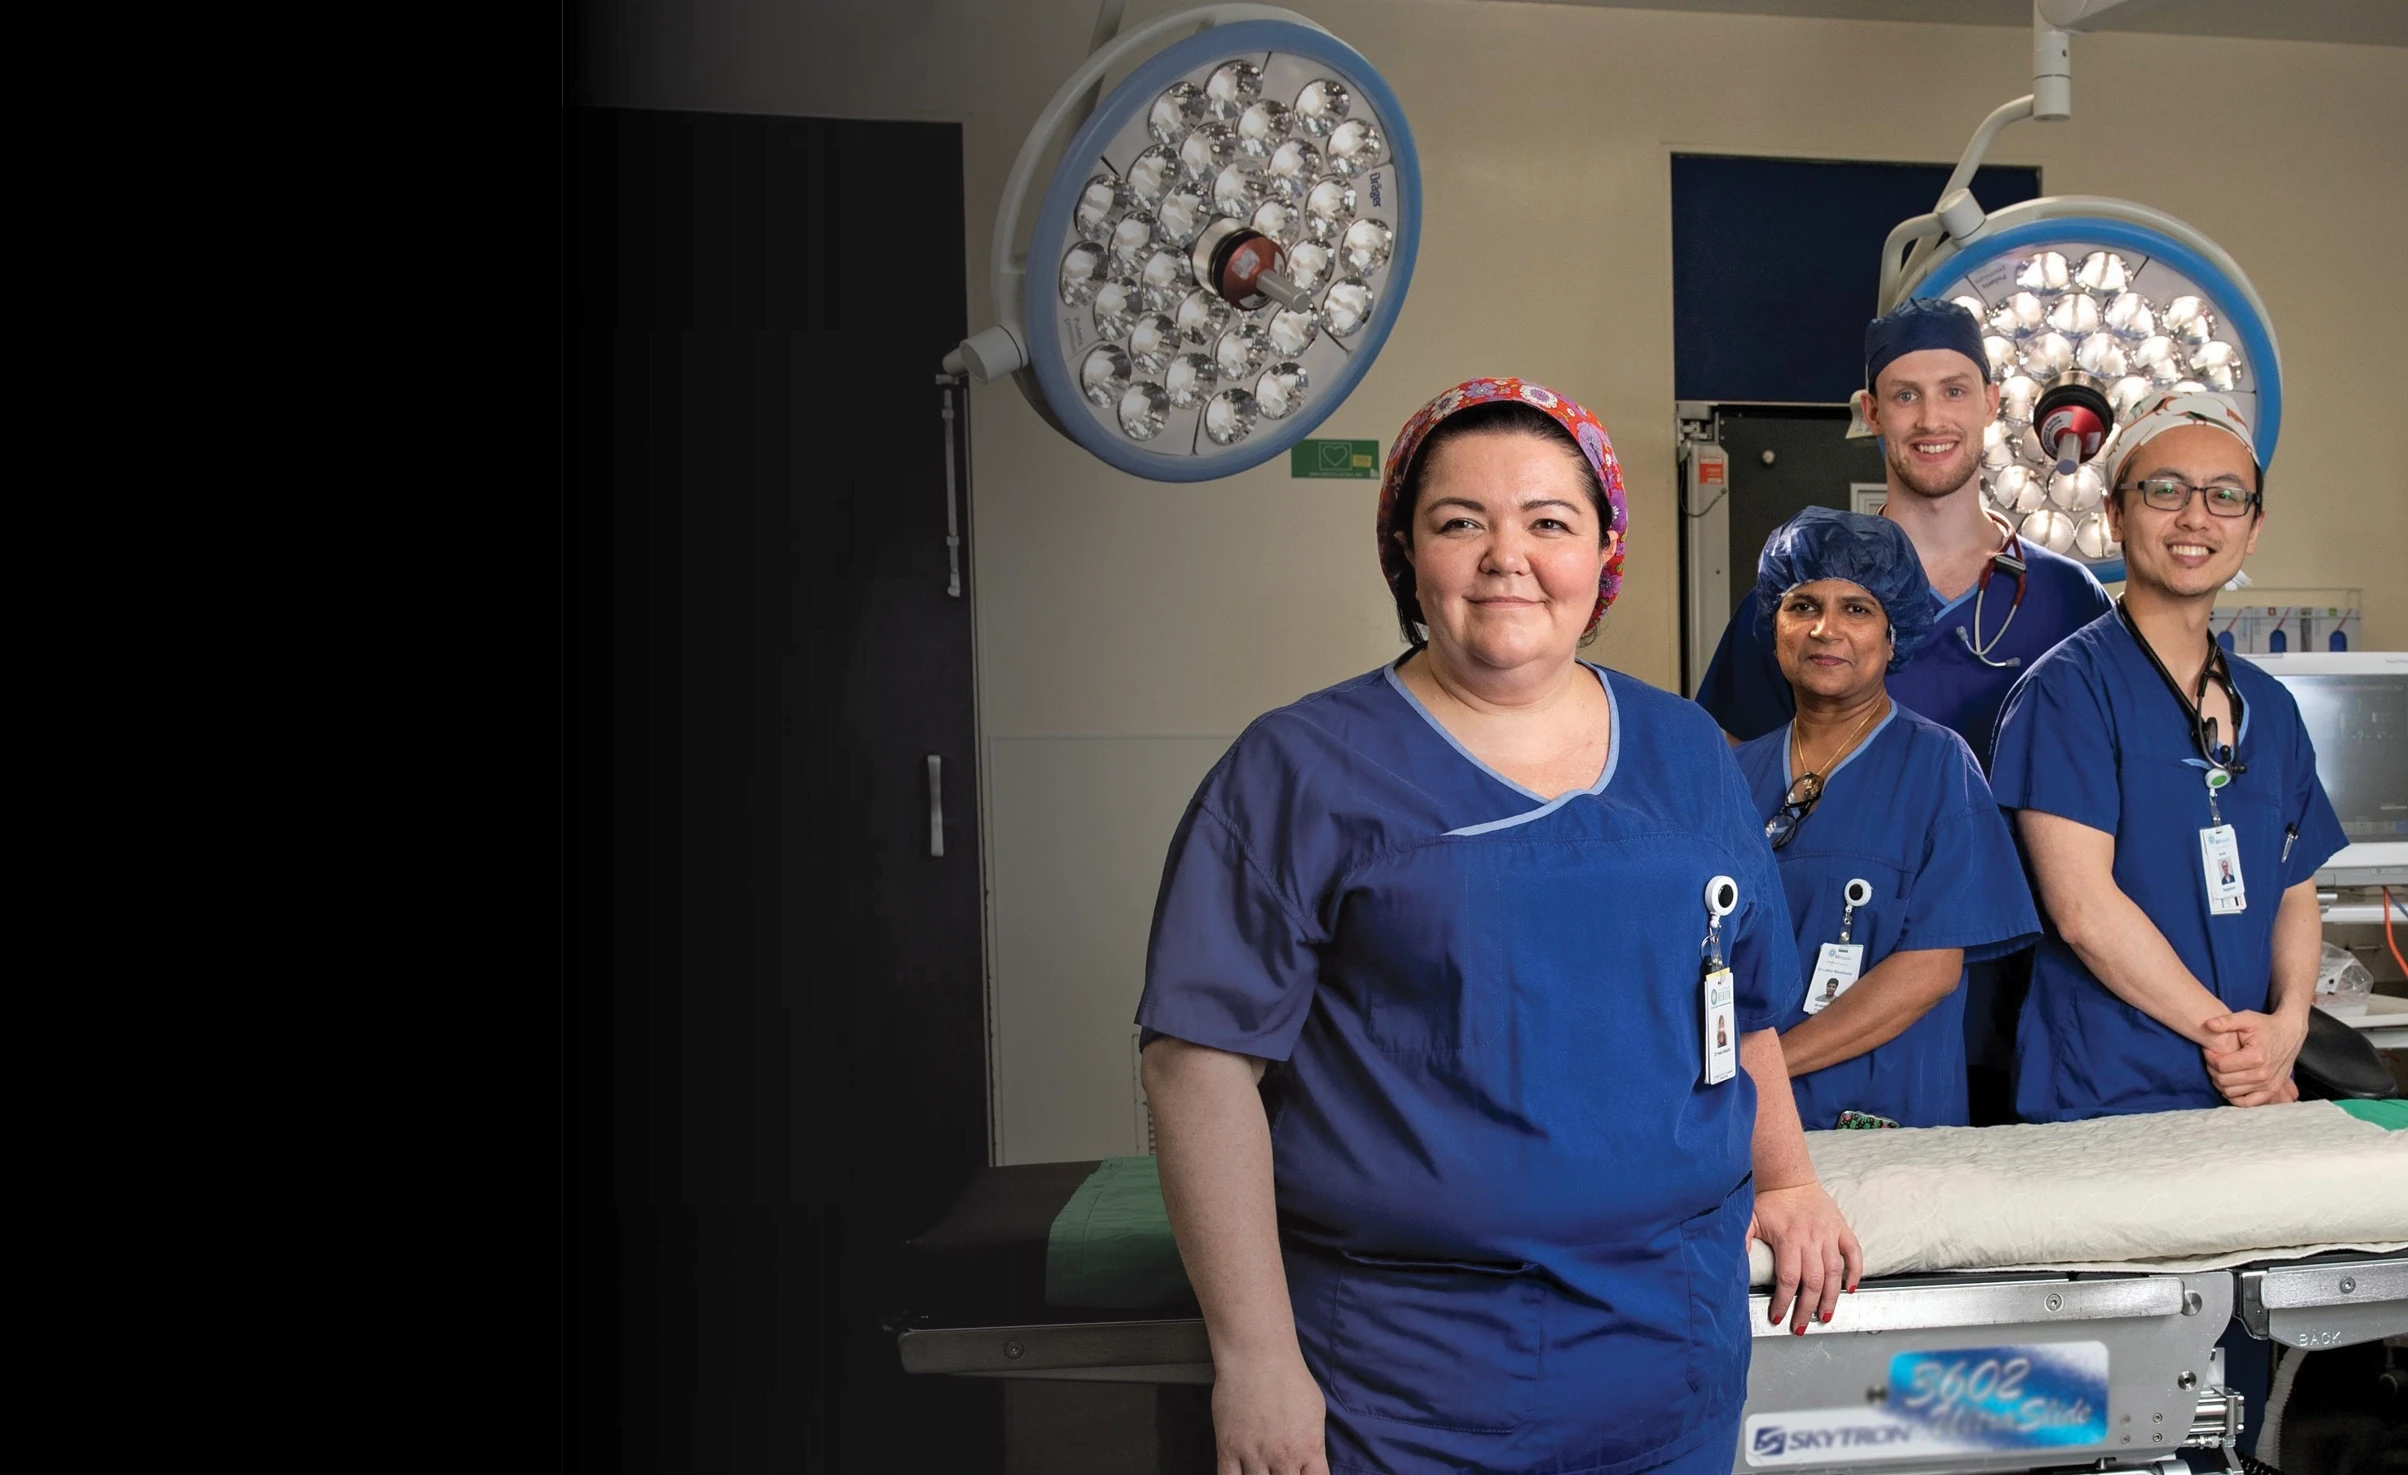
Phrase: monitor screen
x=2359 y=724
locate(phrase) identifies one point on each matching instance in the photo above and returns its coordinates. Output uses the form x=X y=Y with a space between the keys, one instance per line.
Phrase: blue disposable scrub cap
x=1919 y=323
x=1826 y=543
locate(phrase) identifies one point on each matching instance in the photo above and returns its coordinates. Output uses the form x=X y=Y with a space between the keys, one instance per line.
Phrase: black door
x=1784 y=459
x=776 y=1064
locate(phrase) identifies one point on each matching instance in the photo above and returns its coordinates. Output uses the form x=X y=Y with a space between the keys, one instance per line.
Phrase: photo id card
x=1835 y=970
x=1722 y=1028
x=2220 y=864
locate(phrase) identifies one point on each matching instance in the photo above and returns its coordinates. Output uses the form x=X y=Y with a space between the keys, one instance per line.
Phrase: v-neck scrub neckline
x=2093 y=734
x=1939 y=865
x=1789 y=766
x=1613 y=755
x=1499 y=1255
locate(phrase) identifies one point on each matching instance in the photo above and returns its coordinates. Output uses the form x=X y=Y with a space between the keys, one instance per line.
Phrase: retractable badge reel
x=1720 y=1020
x=2220 y=854
x=1836 y=967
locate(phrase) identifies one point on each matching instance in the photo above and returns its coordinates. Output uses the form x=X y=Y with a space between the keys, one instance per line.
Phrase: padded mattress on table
x=1080 y=1241
x=2183 y=1190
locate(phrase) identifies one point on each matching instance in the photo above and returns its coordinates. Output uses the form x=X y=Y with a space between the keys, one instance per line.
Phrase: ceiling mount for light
x=2083 y=300
x=1220 y=252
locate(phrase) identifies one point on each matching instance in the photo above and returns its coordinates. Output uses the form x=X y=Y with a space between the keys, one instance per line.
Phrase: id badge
x=1835 y=970
x=1722 y=1028
x=2220 y=865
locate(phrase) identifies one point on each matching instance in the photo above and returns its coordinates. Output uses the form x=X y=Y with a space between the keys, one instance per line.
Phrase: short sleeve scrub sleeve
x=2094 y=735
x=1511 y=1208
x=1909 y=814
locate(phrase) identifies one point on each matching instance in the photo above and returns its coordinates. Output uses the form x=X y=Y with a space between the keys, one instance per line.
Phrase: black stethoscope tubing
x=2226 y=756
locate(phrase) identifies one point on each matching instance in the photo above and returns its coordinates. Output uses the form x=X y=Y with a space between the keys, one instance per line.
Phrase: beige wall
x=1127 y=630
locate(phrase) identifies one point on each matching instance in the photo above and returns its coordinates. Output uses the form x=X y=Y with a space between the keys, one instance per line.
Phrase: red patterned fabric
x=1585 y=429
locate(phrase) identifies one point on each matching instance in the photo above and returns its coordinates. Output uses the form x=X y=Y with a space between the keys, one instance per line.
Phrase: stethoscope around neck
x=2009 y=559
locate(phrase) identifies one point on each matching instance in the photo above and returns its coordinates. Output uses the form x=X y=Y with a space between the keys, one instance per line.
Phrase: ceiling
x=2359 y=22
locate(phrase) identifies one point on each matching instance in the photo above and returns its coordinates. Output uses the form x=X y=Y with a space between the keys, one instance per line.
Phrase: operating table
x=1925 y=1369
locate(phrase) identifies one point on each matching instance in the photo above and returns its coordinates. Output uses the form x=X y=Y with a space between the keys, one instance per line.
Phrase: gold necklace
x=1798 y=748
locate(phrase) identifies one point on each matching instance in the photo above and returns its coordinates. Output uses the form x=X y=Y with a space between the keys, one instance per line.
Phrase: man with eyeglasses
x=2166 y=798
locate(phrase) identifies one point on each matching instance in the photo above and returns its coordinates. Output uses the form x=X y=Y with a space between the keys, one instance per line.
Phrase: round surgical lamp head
x=1221 y=251
x=2087 y=306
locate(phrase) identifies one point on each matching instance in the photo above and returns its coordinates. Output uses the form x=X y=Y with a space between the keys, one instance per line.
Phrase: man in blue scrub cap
x=1999 y=603
x=1928 y=394
x=1896 y=863
x=2166 y=797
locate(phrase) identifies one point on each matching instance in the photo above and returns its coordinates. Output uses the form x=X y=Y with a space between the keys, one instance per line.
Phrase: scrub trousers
x=1717 y=1456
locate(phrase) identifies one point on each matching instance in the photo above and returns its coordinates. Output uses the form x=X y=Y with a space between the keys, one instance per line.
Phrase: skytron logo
x=1772 y=1439
x=1819 y=1436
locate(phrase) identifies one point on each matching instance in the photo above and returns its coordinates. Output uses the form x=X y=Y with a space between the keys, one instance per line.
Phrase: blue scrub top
x=1908 y=813
x=2093 y=733
x=1943 y=680
x=1513 y=1215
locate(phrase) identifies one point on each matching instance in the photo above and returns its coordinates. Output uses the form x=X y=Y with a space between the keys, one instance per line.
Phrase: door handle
x=946 y=386
x=936 y=806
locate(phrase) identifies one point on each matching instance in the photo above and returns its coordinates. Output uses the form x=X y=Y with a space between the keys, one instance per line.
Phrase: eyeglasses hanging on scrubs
x=1798 y=803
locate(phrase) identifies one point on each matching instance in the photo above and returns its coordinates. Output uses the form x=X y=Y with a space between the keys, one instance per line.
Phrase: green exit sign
x=1347 y=458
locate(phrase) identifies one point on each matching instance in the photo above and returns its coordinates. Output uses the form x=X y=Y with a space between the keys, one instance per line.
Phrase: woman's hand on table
x=1815 y=1254
x=2254 y=1066
x=1267 y=1416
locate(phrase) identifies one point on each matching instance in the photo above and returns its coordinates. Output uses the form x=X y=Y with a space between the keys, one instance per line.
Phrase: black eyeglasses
x=2172 y=494
x=1795 y=806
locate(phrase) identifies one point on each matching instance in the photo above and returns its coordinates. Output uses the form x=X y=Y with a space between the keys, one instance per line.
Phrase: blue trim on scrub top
x=1788 y=770
x=1613 y=756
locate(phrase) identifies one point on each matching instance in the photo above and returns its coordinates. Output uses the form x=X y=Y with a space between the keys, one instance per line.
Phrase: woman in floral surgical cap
x=1458 y=1013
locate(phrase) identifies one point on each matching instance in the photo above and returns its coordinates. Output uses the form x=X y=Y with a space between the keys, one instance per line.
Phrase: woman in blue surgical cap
x=1898 y=866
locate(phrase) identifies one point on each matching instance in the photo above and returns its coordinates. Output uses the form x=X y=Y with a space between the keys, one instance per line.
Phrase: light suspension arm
x=1958 y=215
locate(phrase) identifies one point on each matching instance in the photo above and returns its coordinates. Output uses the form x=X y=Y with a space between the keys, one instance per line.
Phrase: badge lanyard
x=1720 y=1020
x=1836 y=967
x=2219 y=845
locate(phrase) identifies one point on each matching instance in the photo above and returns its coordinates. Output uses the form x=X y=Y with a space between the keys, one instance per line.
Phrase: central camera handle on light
x=2072 y=417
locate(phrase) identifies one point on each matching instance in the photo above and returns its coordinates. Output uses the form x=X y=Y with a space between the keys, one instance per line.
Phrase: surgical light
x=1221 y=251
x=2087 y=305
x=2059 y=395
x=2052 y=529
